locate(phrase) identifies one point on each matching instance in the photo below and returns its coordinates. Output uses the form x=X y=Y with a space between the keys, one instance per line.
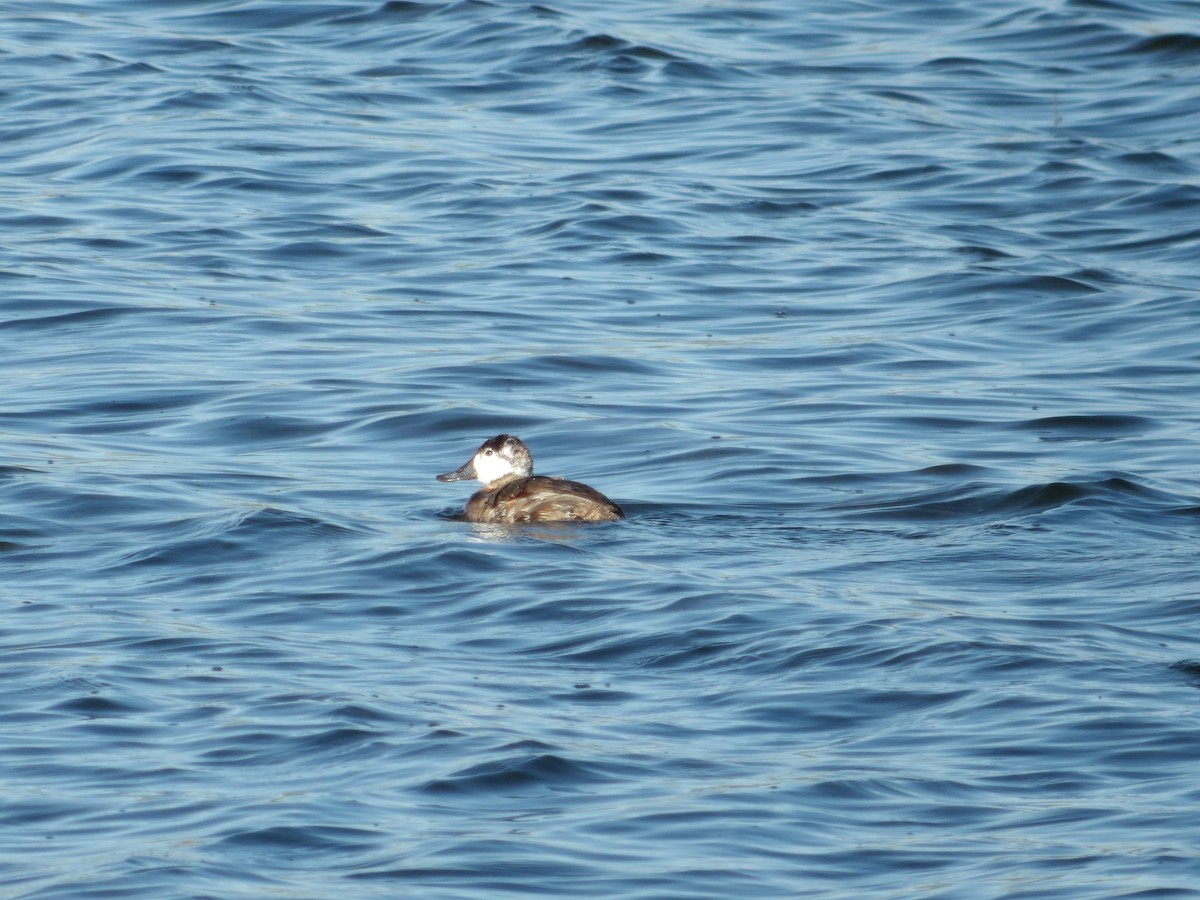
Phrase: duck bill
x=464 y=473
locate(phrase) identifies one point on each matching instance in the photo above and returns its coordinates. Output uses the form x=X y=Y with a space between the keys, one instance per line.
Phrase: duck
x=513 y=495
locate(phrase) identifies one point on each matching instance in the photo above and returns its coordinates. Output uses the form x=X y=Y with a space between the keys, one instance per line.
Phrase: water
x=879 y=319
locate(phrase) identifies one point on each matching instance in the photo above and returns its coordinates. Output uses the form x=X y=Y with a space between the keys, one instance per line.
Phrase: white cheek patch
x=489 y=468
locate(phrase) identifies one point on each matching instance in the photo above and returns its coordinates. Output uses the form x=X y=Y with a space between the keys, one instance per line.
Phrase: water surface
x=879 y=320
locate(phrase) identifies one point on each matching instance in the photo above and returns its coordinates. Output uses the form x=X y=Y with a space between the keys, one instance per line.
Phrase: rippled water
x=879 y=319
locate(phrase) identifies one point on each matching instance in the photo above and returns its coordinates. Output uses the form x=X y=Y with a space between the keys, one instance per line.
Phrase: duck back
x=539 y=498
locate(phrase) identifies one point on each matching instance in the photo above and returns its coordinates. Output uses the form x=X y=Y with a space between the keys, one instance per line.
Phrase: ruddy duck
x=513 y=494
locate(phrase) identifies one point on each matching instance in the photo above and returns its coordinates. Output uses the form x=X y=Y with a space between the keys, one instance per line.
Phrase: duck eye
x=488 y=453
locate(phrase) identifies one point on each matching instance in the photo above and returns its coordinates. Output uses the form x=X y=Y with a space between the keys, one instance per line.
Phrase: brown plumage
x=512 y=494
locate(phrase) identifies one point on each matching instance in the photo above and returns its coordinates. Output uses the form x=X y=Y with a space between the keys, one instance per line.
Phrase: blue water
x=880 y=320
